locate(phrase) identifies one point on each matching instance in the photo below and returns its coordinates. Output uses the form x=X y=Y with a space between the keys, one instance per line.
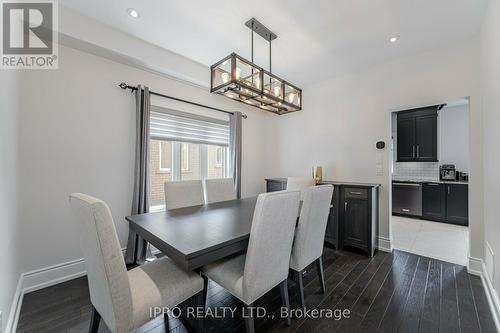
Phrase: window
x=185 y=156
x=185 y=147
x=219 y=158
x=217 y=166
x=190 y=161
x=165 y=155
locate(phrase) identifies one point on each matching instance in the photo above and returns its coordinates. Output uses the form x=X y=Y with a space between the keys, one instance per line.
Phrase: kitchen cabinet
x=417 y=135
x=406 y=139
x=441 y=201
x=433 y=201
x=353 y=217
x=457 y=203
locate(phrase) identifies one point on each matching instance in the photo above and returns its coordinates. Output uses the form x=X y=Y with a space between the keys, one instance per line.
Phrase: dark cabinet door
x=457 y=204
x=406 y=140
x=356 y=222
x=433 y=201
x=426 y=138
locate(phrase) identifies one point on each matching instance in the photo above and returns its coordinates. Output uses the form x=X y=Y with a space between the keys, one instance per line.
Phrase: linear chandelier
x=243 y=81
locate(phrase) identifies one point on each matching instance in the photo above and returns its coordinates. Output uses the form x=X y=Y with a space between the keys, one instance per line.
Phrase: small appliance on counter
x=462 y=176
x=448 y=172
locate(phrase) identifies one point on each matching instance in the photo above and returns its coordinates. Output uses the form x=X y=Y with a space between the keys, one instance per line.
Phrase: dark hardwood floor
x=387 y=293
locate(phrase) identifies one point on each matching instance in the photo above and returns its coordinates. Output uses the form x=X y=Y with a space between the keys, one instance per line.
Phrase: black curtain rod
x=126 y=86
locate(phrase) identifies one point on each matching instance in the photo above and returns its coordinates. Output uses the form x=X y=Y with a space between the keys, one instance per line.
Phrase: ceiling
x=316 y=39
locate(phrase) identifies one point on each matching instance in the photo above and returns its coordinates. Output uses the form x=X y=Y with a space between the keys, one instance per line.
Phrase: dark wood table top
x=196 y=236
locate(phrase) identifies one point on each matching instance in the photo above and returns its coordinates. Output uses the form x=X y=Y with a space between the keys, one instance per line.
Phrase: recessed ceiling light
x=394 y=39
x=132 y=12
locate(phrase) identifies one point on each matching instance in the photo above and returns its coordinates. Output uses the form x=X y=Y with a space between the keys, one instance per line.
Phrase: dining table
x=196 y=236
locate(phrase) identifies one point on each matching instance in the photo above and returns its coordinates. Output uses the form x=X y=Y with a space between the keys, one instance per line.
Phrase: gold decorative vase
x=317 y=173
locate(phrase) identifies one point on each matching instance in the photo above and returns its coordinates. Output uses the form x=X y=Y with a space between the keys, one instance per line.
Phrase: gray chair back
x=271 y=236
x=186 y=193
x=310 y=232
x=298 y=183
x=107 y=275
x=218 y=190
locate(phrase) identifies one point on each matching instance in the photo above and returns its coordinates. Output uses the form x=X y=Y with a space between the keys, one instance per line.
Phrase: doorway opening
x=430 y=173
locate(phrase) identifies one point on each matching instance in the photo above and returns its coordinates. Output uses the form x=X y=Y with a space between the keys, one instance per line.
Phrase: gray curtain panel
x=137 y=248
x=235 y=148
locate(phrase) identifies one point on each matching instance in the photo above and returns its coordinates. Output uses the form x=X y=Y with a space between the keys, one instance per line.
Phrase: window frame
x=182 y=145
x=165 y=170
x=219 y=153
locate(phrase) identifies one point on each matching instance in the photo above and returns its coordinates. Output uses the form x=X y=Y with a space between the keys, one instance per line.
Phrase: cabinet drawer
x=273 y=186
x=355 y=193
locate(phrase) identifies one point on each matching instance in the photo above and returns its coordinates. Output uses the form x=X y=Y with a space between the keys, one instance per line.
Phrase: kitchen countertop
x=406 y=180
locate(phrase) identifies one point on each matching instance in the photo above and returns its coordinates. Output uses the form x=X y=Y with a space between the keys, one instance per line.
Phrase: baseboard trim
x=384 y=244
x=52 y=275
x=39 y=279
x=42 y=278
x=491 y=295
x=15 y=308
x=475 y=266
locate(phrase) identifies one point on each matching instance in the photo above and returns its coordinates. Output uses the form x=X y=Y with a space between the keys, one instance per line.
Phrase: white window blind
x=176 y=125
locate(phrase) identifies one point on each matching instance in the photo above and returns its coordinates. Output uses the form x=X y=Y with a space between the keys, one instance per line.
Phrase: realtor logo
x=29 y=37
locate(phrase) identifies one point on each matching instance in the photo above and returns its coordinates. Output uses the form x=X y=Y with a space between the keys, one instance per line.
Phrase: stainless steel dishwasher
x=407 y=198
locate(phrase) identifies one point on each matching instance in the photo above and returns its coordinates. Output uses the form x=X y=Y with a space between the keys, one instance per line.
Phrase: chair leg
x=94 y=321
x=249 y=323
x=300 y=286
x=201 y=303
x=205 y=289
x=321 y=275
x=284 y=299
x=167 y=325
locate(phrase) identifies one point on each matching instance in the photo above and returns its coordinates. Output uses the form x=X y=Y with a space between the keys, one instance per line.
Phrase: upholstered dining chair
x=265 y=265
x=298 y=183
x=124 y=299
x=310 y=235
x=186 y=193
x=217 y=190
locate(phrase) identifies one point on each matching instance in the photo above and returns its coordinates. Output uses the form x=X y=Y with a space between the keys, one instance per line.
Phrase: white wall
x=490 y=103
x=77 y=135
x=343 y=118
x=8 y=210
x=454 y=136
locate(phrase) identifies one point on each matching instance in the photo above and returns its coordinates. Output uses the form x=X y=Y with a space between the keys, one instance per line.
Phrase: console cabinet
x=353 y=218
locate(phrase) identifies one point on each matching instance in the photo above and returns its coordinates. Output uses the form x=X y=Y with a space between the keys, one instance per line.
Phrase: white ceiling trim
x=124 y=59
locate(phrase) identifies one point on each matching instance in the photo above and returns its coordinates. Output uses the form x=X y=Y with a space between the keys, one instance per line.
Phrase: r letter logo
x=29 y=37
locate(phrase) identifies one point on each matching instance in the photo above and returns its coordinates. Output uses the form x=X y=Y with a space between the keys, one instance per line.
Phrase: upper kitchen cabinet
x=417 y=138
